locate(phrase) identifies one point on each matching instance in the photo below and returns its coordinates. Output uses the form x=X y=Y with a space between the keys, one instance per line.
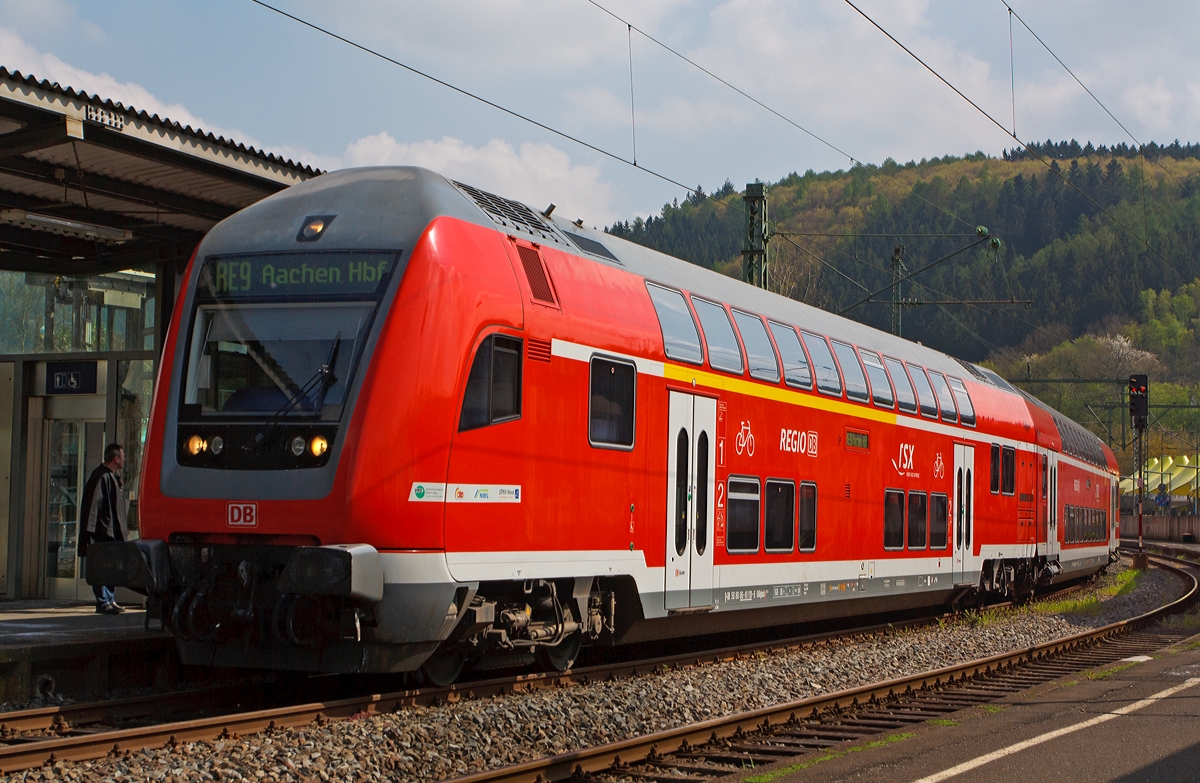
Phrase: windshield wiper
x=323 y=376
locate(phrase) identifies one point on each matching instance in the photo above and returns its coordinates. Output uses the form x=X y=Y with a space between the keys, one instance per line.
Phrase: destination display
x=295 y=274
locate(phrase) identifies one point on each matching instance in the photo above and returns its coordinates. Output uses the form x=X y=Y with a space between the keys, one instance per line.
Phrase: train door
x=1043 y=481
x=1052 y=548
x=964 y=513
x=691 y=469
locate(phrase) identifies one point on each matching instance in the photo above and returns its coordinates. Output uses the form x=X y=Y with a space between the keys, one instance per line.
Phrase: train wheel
x=561 y=656
x=443 y=667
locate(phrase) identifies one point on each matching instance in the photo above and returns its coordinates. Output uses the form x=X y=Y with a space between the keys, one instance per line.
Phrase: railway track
x=728 y=745
x=78 y=732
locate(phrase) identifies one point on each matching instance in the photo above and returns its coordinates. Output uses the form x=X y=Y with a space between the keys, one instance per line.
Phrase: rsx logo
x=241 y=514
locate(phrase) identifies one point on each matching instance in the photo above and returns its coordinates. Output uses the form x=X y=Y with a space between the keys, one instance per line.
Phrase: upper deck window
x=829 y=380
x=944 y=396
x=681 y=340
x=881 y=387
x=759 y=352
x=724 y=353
x=795 y=363
x=852 y=372
x=906 y=398
x=928 y=402
x=966 y=411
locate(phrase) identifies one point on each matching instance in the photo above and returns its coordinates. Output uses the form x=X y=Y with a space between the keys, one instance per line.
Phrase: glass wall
x=66 y=314
x=135 y=391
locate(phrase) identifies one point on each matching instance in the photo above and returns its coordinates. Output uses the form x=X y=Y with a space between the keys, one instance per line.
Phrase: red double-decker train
x=402 y=423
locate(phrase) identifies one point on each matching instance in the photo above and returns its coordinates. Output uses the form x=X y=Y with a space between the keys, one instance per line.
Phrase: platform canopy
x=90 y=186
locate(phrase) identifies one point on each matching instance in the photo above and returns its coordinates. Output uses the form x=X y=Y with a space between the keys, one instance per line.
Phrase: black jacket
x=103 y=509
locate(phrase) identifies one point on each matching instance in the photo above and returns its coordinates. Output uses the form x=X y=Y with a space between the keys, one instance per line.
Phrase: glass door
x=74 y=448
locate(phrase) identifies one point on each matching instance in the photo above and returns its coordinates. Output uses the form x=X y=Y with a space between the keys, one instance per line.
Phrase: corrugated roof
x=120 y=108
x=79 y=157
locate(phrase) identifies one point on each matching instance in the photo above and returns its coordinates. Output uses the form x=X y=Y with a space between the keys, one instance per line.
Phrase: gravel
x=433 y=743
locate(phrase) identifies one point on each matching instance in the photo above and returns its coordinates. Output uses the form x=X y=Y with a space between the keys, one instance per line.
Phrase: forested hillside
x=1110 y=293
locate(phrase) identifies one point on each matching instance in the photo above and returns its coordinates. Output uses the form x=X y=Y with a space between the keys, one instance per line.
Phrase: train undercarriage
x=328 y=609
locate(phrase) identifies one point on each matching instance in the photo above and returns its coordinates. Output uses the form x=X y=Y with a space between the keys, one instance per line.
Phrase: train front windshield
x=280 y=334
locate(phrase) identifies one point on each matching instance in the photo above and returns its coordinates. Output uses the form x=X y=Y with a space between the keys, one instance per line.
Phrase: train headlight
x=216 y=445
x=318 y=445
x=195 y=445
x=298 y=445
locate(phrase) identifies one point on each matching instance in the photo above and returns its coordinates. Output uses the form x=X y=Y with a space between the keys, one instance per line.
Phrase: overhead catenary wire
x=473 y=96
x=1033 y=152
x=574 y=139
x=630 y=26
x=632 y=104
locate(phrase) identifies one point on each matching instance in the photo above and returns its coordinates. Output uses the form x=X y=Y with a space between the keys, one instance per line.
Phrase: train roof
x=395 y=204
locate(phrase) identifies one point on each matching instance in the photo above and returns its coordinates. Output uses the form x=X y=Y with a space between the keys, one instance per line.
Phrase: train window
x=906 y=398
x=759 y=353
x=681 y=340
x=828 y=379
x=823 y=366
x=995 y=485
x=1045 y=476
x=939 y=506
x=724 y=353
x=741 y=529
x=682 y=442
x=795 y=363
x=852 y=372
x=925 y=396
x=944 y=397
x=780 y=525
x=702 y=493
x=881 y=386
x=808 y=517
x=1008 y=470
x=611 y=404
x=893 y=519
x=494 y=385
x=966 y=411
x=918 y=518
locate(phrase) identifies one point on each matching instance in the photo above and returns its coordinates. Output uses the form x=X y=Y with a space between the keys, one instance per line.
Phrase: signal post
x=1139 y=413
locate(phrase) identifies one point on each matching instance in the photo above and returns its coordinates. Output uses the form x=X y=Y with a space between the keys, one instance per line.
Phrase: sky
x=237 y=69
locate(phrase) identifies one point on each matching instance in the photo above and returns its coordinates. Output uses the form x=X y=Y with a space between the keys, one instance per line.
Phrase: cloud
x=18 y=55
x=534 y=173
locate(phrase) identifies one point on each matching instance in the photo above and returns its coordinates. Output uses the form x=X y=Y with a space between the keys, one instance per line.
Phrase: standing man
x=103 y=517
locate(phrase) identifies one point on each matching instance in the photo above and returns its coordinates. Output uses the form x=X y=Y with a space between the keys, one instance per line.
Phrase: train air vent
x=535 y=273
x=510 y=214
x=537 y=350
x=847 y=490
x=589 y=245
x=974 y=371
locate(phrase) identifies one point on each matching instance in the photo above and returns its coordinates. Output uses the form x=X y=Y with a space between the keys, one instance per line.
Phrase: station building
x=101 y=206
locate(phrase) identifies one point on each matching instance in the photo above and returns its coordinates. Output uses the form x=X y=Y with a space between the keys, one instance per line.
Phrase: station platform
x=1137 y=722
x=53 y=648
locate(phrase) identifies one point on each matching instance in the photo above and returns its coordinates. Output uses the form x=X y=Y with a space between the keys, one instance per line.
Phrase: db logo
x=242 y=514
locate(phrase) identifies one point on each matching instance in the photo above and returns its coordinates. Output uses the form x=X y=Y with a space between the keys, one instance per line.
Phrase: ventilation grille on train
x=589 y=245
x=538 y=350
x=510 y=214
x=535 y=273
x=974 y=371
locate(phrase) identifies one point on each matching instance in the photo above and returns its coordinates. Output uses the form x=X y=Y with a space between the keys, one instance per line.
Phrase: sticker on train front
x=241 y=514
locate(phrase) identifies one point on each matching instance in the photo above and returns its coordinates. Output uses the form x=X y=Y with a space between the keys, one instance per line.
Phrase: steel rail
x=25 y=752
x=662 y=743
x=67 y=717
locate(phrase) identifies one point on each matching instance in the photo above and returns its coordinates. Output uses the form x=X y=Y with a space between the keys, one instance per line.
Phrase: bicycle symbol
x=744 y=440
x=939 y=468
